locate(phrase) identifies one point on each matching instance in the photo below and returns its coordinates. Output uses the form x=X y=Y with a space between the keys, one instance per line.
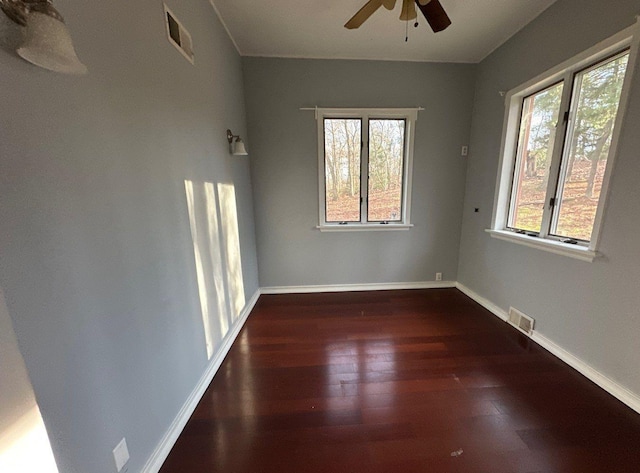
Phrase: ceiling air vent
x=178 y=35
x=520 y=321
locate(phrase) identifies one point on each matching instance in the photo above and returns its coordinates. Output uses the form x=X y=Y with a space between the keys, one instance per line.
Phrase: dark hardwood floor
x=398 y=381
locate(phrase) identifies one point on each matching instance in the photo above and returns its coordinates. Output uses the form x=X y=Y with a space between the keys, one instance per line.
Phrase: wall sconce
x=236 y=147
x=47 y=41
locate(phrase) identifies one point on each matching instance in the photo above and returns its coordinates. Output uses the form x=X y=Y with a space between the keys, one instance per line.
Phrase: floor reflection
x=363 y=368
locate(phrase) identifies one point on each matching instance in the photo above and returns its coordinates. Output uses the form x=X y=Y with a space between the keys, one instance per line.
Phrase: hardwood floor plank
x=411 y=381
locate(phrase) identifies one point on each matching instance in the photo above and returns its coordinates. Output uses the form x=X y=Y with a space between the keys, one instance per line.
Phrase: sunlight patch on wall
x=205 y=234
x=24 y=443
x=216 y=260
x=229 y=214
x=25 y=447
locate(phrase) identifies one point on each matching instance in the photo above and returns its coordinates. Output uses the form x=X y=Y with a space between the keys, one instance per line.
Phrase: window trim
x=628 y=38
x=410 y=115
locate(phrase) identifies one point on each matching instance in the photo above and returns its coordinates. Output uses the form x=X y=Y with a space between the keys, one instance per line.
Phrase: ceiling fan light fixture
x=408 y=10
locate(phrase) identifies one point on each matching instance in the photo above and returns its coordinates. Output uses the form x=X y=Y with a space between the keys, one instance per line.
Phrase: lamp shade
x=237 y=148
x=48 y=44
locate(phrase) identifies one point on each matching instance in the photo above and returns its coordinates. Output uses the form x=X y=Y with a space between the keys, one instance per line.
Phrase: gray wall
x=284 y=166
x=590 y=309
x=96 y=254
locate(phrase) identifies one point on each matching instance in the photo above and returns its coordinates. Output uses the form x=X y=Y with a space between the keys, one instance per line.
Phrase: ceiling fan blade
x=389 y=4
x=423 y=2
x=363 y=14
x=408 y=10
x=435 y=15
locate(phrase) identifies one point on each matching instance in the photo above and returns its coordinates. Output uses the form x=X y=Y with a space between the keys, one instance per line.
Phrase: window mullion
x=566 y=152
x=408 y=130
x=322 y=208
x=364 y=170
x=556 y=157
x=522 y=112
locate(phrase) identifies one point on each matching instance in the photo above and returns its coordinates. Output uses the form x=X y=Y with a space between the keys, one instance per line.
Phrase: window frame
x=566 y=72
x=410 y=116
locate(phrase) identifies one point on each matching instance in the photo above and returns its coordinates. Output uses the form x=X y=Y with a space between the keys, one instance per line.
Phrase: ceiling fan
x=431 y=9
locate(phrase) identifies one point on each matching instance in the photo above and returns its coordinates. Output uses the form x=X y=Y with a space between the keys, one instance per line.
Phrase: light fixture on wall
x=236 y=147
x=47 y=41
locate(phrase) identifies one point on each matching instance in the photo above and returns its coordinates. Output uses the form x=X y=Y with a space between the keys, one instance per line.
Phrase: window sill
x=365 y=227
x=557 y=247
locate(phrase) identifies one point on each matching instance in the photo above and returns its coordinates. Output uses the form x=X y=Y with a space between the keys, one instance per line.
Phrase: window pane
x=597 y=95
x=535 y=147
x=342 y=138
x=386 y=164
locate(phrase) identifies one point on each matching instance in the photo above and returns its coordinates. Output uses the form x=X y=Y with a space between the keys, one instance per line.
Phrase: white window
x=364 y=161
x=559 y=143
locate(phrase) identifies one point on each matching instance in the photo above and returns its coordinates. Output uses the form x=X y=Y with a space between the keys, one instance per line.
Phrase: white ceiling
x=314 y=29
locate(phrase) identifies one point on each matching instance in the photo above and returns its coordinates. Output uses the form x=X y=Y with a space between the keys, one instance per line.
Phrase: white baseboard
x=486 y=303
x=159 y=455
x=616 y=390
x=356 y=287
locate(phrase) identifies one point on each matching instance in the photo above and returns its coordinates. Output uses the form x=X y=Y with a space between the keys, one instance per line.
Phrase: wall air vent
x=178 y=35
x=522 y=322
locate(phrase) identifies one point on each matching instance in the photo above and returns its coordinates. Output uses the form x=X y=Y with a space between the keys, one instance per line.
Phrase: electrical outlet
x=464 y=151
x=121 y=454
x=438 y=276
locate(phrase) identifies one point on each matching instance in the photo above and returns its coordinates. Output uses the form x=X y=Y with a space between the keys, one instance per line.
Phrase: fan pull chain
x=406 y=31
